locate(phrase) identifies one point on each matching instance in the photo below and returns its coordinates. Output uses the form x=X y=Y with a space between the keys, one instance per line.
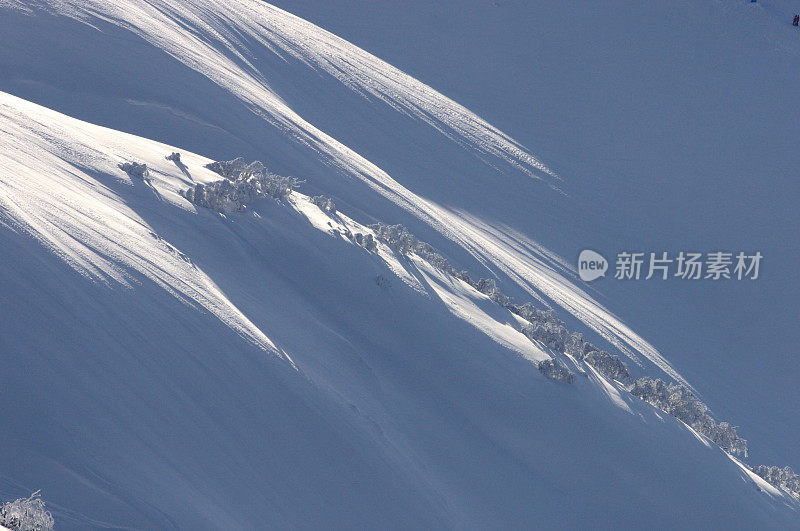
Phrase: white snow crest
x=47 y=190
x=176 y=28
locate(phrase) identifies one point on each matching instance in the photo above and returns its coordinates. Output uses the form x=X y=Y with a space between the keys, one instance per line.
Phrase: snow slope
x=673 y=126
x=183 y=368
x=137 y=395
x=240 y=64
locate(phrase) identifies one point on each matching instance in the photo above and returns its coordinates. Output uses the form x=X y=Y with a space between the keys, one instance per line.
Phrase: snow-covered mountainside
x=284 y=362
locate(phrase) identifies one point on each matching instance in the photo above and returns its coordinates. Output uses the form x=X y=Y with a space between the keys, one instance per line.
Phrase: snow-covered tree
x=609 y=365
x=574 y=345
x=135 y=170
x=543 y=326
x=679 y=402
x=526 y=311
x=488 y=287
x=367 y=241
x=555 y=370
x=532 y=314
x=275 y=186
x=401 y=240
x=243 y=184
x=26 y=514
x=726 y=437
x=230 y=169
x=783 y=478
x=324 y=203
x=463 y=275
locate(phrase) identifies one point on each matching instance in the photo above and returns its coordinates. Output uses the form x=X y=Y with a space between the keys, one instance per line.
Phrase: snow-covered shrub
x=609 y=365
x=324 y=203
x=488 y=287
x=401 y=240
x=783 y=478
x=555 y=370
x=174 y=157
x=230 y=169
x=276 y=186
x=523 y=310
x=533 y=314
x=26 y=514
x=726 y=438
x=679 y=402
x=243 y=184
x=366 y=241
x=463 y=275
x=543 y=326
x=135 y=170
x=574 y=345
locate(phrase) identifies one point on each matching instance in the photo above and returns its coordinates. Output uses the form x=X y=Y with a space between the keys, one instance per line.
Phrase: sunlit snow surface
x=233 y=30
x=61 y=184
x=50 y=189
x=416 y=404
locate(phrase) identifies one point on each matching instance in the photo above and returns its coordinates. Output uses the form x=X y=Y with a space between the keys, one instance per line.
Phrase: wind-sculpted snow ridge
x=238 y=24
x=51 y=189
x=544 y=327
x=218 y=40
x=538 y=274
x=165 y=23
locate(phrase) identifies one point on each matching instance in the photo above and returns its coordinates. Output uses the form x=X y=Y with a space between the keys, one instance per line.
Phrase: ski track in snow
x=46 y=190
x=176 y=27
